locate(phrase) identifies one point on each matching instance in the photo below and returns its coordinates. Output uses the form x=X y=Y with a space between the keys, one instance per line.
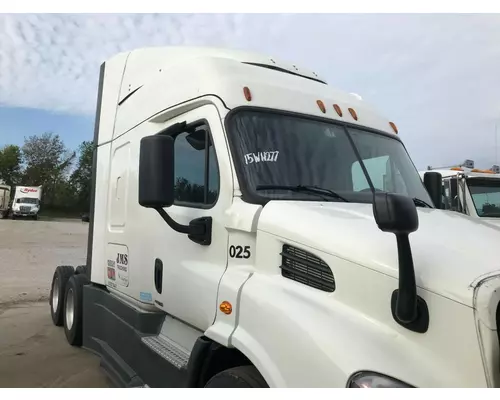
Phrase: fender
x=334 y=341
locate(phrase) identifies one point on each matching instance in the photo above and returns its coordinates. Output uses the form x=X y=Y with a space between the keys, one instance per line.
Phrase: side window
x=446 y=195
x=384 y=175
x=196 y=170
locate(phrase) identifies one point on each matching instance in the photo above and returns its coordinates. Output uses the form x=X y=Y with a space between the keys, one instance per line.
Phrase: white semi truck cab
x=26 y=201
x=251 y=226
x=470 y=191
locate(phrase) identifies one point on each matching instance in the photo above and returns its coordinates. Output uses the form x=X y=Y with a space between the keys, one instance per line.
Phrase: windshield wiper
x=302 y=188
x=421 y=203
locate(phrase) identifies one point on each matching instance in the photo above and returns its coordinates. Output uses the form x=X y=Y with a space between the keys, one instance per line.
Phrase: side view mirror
x=156 y=171
x=395 y=213
x=157 y=181
x=433 y=182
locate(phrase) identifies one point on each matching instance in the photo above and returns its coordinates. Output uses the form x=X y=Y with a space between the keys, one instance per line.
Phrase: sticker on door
x=118 y=260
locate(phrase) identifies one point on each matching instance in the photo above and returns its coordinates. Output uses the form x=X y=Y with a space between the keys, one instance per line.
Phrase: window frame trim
x=201 y=206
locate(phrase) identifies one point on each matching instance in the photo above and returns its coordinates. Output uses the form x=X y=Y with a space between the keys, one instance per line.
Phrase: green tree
x=82 y=176
x=10 y=164
x=48 y=162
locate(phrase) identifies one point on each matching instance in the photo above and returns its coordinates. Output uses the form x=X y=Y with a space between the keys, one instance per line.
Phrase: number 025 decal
x=239 y=252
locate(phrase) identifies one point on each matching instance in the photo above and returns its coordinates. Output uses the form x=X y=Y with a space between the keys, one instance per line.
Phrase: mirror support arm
x=199 y=230
x=406 y=304
x=186 y=229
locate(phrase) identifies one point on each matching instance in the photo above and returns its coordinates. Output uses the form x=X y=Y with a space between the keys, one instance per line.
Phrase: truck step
x=171 y=351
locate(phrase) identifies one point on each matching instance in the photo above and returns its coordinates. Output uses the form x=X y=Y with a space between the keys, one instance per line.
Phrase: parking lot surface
x=34 y=352
x=30 y=251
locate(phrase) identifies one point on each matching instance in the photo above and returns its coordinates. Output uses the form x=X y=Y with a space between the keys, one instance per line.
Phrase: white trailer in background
x=470 y=191
x=4 y=200
x=26 y=202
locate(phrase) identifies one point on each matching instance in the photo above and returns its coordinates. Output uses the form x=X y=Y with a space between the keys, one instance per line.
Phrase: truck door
x=187 y=274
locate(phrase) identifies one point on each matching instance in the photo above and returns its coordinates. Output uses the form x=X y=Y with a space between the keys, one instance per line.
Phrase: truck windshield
x=28 y=200
x=485 y=196
x=276 y=154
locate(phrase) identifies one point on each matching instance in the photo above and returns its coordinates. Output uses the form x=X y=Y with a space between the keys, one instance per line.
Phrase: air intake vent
x=303 y=267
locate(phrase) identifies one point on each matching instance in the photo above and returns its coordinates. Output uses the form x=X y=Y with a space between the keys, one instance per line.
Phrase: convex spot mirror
x=197 y=139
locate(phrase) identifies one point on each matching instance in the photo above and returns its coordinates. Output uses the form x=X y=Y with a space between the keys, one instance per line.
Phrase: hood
x=491 y=221
x=450 y=250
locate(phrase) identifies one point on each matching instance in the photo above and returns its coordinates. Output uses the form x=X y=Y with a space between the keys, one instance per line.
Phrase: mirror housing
x=433 y=182
x=156 y=171
x=395 y=213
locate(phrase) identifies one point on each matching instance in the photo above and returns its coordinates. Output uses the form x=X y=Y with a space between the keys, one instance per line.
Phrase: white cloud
x=436 y=76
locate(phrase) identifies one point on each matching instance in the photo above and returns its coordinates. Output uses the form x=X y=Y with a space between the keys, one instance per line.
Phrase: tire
x=35 y=217
x=73 y=309
x=240 y=377
x=57 y=291
x=81 y=269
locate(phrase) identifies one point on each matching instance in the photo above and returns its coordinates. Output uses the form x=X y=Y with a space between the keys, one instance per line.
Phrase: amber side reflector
x=321 y=106
x=483 y=171
x=456 y=169
x=226 y=307
x=394 y=127
x=246 y=92
x=337 y=109
x=353 y=114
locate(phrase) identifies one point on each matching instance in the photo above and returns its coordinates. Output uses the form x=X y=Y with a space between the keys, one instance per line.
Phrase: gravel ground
x=30 y=252
x=34 y=352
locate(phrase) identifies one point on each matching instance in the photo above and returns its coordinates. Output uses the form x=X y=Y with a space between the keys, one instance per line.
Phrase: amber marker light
x=321 y=106
x=337 y=109
x=226 y=307
x=247 y=93
x=353 y=114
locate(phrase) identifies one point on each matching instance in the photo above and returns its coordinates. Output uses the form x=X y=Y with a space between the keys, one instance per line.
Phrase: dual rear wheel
x=66 y=302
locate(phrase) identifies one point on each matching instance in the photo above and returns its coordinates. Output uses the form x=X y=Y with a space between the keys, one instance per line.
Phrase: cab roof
x=146 y=84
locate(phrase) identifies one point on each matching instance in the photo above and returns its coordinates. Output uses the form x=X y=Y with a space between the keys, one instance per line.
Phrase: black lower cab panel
x=113 y=330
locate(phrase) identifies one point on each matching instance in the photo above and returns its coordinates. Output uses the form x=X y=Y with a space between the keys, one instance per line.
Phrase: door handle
x=158 y=275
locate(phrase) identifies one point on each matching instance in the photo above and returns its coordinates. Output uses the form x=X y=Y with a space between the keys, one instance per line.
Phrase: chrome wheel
x=70 y=309
x=55 y=294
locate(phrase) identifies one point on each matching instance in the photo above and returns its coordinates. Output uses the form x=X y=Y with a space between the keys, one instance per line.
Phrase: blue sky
x=17 y=123
x=435 y=75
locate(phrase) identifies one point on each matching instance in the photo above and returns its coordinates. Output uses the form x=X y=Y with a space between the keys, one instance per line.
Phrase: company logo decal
x=28 y=190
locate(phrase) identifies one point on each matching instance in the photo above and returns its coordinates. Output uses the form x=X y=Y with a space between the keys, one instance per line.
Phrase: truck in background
x=470 y=191
x=26 y=202
x=4 y=200
x=250 y=227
